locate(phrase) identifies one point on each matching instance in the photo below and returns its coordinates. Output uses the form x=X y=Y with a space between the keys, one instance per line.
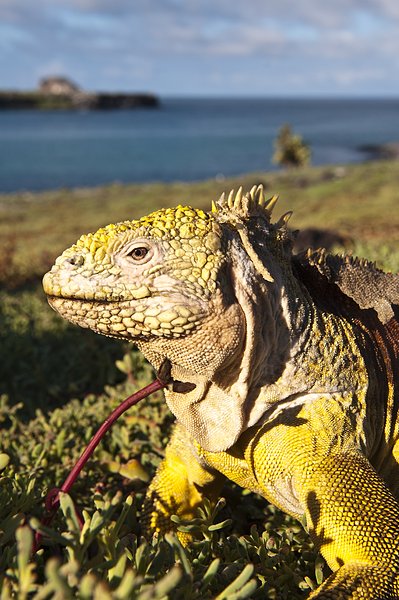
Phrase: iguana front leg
x=179 y=486
x=355 y=520
x=351 y=514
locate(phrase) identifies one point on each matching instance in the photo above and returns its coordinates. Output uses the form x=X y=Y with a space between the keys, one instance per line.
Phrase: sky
x=204 y=47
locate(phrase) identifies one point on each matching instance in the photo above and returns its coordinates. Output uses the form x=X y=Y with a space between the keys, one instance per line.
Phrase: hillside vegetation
x=59 y=382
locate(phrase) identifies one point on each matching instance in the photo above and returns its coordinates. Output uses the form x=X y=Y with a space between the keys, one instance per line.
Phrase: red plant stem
x=52 y=498
x=119 y=410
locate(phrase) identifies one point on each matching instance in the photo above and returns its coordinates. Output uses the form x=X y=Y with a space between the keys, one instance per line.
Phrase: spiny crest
x=237 y=207
x=357 y=278
x=322 y=258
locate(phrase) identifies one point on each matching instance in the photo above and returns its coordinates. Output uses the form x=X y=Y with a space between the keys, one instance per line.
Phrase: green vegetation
x=35 y=100
x=59 y=382
x=290 y=149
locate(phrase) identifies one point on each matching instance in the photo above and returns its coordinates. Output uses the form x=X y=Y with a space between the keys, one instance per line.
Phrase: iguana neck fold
x=263 y=349
x=237 y=340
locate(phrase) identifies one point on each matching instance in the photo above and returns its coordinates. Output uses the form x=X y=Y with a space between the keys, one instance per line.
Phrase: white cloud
x=204 y=44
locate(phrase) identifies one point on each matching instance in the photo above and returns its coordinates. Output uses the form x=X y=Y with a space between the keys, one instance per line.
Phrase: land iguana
x=285 y=371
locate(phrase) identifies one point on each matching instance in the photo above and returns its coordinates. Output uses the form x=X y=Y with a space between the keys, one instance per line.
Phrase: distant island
x=60 y=93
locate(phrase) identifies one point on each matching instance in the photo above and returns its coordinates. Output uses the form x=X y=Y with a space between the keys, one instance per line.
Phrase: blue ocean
x=182 y=140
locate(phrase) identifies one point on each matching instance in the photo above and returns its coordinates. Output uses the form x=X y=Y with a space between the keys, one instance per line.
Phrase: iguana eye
x=138 y=253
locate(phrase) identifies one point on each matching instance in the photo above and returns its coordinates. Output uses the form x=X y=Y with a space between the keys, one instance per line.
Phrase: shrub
x=290 y=149
x=109 y=558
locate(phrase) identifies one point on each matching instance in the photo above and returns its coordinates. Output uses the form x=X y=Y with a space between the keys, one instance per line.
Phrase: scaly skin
x=283 y=386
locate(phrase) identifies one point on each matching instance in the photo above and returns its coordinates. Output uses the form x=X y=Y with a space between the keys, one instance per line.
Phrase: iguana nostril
x=76 y=261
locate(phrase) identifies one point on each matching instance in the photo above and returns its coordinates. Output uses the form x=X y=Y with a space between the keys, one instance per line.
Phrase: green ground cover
x=57 y=382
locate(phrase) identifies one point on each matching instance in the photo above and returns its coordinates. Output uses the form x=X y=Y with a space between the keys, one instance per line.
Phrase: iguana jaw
x=132 y=320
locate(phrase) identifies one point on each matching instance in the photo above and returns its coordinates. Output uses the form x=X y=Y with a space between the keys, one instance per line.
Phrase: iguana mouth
x=53 y=298
x=128 y=319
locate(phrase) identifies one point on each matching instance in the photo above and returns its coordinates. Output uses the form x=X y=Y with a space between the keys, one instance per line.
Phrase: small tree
x=290 y=149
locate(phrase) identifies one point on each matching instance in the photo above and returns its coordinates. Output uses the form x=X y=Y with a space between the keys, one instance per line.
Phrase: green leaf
x=24 y=537
x=239 y=582
x=164 y=586
x=116 y=573
x=173 y=541
x=210 y=574
x=69 y=511
x=221 y=525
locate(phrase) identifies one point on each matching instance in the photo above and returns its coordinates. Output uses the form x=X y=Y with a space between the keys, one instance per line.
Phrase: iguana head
x=140 y=279
x=198 y=288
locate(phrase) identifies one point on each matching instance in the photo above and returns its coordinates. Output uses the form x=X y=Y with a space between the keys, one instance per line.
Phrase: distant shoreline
x=389 y=151
x=301 y=176
x=36 y=100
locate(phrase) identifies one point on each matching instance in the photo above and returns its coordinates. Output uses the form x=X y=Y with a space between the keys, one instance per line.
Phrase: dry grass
x=358 y=200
